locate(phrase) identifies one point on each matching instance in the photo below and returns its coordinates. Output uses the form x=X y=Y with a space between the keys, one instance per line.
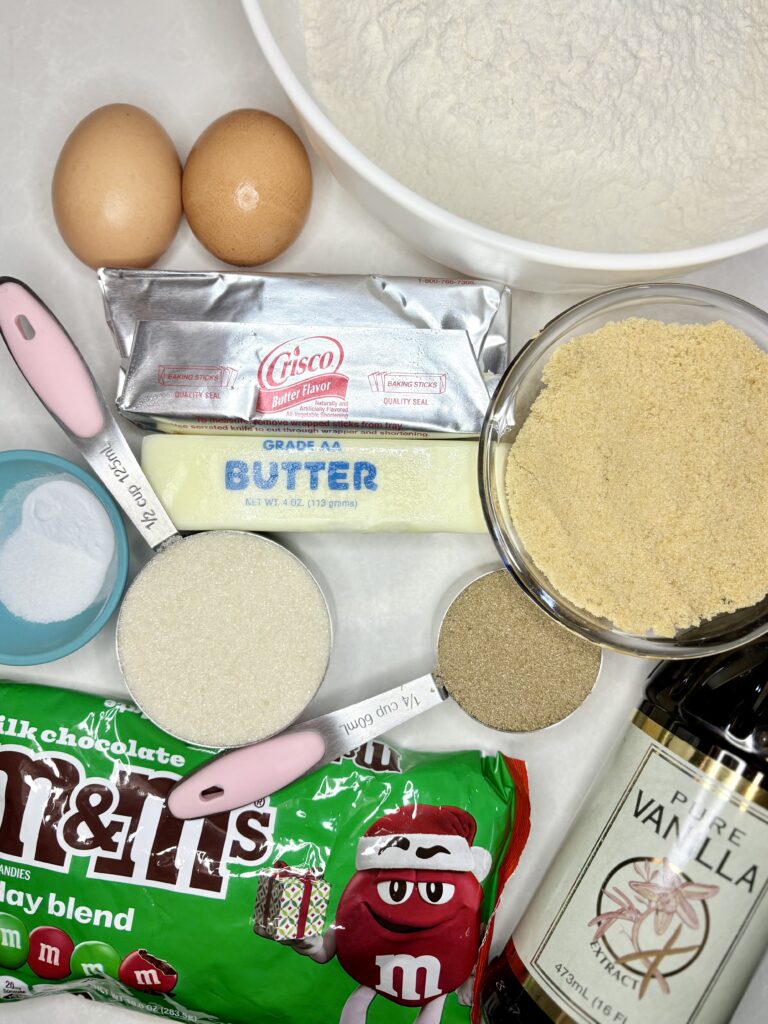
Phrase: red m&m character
x=408 y=923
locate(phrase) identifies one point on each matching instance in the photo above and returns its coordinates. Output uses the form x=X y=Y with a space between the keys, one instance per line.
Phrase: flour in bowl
x=589 y=124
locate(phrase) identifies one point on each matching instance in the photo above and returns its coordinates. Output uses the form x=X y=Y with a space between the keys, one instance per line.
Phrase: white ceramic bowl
x=449 y=239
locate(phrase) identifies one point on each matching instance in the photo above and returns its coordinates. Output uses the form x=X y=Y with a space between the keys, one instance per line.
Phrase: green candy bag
x=362 y=892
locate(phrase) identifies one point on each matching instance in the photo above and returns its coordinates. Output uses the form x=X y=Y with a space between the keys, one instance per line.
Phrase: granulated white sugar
x=224 y=638
x=55 y=564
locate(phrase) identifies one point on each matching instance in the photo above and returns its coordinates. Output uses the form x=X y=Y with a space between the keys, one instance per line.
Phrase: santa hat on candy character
x=426 y=837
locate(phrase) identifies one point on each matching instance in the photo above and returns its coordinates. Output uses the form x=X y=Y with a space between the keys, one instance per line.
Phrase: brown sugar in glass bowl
x=509 y=410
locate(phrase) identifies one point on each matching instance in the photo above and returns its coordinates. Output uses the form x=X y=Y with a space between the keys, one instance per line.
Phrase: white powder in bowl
x=54 y=565
x=589 y=124
x=224 y=638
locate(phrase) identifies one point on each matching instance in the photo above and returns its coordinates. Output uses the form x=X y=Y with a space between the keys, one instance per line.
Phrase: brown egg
x=117 y=188
x=247 y=187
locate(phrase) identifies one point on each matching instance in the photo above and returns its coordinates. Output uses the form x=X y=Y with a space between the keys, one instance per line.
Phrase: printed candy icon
x=95 y=959
x=147 y=973
x=50 y=952
x=14 y=941
x=290 y=904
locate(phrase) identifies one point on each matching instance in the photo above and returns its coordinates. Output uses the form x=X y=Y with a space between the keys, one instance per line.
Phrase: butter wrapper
x=259 y=353
x=221 y=376
x=316 y=483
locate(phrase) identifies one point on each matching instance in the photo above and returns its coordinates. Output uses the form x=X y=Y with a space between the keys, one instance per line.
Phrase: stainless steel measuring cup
x=256 y=771
x=59 y=376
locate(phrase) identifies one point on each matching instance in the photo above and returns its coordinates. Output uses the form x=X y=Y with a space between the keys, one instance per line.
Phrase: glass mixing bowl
x=508 y=409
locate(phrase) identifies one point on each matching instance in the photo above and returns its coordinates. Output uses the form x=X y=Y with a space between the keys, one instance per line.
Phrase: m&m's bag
x=364 y=890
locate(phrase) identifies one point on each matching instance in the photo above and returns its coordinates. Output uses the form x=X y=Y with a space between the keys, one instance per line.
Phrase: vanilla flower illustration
x=625 y=911
x=669 y=896
x=661 y=894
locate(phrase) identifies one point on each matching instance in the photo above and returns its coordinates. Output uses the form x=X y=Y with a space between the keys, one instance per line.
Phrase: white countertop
x=187 y=62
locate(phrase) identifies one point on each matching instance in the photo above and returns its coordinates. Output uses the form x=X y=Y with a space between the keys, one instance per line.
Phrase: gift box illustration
x=290 y=904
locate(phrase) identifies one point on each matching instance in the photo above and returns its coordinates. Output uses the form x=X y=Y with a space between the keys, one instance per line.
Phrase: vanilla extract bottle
x=655 y=909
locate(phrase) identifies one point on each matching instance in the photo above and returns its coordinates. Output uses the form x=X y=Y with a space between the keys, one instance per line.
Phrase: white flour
x=606 y=124
x=55 y=564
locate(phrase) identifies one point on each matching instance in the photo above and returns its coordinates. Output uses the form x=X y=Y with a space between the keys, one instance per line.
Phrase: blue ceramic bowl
x=33 y=643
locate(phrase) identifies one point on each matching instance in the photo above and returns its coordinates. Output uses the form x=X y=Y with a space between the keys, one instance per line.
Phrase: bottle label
x=656 y=907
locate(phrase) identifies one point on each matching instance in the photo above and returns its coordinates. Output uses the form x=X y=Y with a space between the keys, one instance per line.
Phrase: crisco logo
x=300 y=358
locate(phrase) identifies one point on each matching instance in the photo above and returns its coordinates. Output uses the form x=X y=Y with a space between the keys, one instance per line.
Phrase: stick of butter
x=315 y=483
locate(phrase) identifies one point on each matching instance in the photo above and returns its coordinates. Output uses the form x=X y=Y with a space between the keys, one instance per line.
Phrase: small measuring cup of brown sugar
x=503 y=661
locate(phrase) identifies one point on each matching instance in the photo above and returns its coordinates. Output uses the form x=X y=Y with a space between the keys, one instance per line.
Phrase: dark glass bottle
x=655 y=910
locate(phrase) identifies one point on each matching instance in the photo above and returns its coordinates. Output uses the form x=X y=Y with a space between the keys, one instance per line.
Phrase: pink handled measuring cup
x=57 y=373
x=253 y=772
x=60 y=378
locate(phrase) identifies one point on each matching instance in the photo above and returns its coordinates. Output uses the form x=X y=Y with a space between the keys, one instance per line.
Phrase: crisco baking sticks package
x=361 y=893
